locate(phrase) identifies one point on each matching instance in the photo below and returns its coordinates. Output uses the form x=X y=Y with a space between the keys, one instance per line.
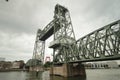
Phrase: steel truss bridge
x=99 y=45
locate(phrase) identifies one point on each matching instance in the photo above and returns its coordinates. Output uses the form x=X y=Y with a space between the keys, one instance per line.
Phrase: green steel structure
x=39 y=48
x=38 y=52
x=64 y=36
x=102 y=44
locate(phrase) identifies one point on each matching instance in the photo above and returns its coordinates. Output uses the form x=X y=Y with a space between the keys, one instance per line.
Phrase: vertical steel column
x=39 y=48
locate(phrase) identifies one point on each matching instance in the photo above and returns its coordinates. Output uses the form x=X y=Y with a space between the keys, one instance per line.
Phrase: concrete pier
x=67 y=70
x=36 y=68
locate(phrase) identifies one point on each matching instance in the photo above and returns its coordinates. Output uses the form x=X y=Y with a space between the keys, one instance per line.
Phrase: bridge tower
x=64 y=45
x=39 y=48
x=64 y=36
x=38 y=53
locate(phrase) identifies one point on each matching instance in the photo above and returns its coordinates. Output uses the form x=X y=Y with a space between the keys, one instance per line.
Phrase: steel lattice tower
x=64 y=36
x=39 y=48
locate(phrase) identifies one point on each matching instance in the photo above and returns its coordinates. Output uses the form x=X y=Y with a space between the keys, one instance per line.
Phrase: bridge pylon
x=36 y=63
x=64 y=45
x=64 y=36
x=39 y=48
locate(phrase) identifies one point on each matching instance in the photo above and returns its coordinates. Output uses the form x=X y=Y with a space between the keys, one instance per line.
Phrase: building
x=96 y=65
x=101 y=65
x=112 y=64
x=18 y=64
x=5 y=65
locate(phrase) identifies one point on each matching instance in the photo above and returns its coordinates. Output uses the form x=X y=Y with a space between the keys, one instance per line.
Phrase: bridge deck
x=47 y=34
x=116 y=57
x=49 y=30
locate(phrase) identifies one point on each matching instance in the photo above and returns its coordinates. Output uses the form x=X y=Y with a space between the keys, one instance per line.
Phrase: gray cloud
x=93 y=14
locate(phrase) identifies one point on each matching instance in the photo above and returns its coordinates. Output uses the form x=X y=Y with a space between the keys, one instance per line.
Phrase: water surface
x=92 y=74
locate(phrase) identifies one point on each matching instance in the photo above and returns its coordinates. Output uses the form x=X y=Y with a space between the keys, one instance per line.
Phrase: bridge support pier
x=36 y=68
x=68 y=70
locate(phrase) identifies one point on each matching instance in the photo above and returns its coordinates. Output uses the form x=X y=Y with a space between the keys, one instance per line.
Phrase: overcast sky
x=20 y=19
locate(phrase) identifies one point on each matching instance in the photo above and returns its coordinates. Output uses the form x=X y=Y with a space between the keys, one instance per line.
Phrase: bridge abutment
x=68 y=70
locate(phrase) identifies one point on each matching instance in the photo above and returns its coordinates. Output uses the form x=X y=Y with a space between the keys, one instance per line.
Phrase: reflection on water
x=34 y=76
x=45 y=76
x=69 y=78
x=92 y=74
x=38 y=76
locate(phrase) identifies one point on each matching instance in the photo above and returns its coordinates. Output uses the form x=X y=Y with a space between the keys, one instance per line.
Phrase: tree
x=47 y=64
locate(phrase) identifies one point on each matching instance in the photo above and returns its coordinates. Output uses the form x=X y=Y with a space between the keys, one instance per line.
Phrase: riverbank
x=7 y=70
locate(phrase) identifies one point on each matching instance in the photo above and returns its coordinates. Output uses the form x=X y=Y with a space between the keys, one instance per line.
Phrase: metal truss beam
x=48 y=30
x=102 y=44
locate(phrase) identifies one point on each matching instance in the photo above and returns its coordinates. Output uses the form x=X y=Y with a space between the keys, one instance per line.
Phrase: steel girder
x=48 y=30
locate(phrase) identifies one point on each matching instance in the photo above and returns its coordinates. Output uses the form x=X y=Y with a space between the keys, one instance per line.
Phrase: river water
x=92 y=74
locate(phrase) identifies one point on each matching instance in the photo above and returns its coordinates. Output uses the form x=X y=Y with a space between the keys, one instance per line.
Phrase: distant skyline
x=20 y=19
